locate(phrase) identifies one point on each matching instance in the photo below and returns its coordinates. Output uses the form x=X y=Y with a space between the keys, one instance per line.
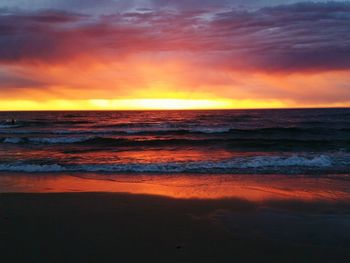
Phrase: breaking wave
x=6 y=129
x=264 y=163
x=53 y=140
x=193 y=141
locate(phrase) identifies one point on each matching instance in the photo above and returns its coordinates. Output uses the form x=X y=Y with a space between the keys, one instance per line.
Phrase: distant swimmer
x=11 y=122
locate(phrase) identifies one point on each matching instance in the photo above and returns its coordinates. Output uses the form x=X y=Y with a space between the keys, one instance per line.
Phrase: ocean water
x=300 y=141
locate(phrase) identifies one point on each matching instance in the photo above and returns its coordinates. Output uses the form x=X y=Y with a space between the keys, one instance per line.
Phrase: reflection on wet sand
x=248 y=187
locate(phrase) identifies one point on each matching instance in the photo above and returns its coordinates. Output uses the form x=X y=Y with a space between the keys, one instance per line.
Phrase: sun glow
x=137 y=104
x=162 y=104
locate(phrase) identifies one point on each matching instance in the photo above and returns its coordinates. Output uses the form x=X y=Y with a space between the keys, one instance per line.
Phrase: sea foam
x=266 y=163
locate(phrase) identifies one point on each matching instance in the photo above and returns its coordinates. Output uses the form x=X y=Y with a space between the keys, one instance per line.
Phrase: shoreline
x=188 y=186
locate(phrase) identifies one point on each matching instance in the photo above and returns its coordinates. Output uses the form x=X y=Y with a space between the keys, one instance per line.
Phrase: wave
x=53 y=140
x=58 y=132
x=31 y=168
x=7 y=126
x=96 y=140
x=209 y=130
x=150 y=131
x=318 y=161
x=41 y=123
x=280 y=131
x=14 y=140
x=247 y=143
x=258 y=164
x=237 y=131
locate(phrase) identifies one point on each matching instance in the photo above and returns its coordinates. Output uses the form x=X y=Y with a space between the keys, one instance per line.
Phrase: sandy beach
x=131 y=227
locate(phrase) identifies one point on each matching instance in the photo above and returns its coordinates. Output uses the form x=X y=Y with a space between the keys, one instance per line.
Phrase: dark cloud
x=36 y=35
x=10 y=80
x=303 y=36
x=108 y=6
x=191 y=4
x=297 y=37
x=91 y=6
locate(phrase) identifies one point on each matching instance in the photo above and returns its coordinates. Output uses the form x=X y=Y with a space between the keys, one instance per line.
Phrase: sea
x=313 y=142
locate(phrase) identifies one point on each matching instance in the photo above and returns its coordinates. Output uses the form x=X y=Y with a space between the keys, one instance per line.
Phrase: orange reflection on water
x=154 y=156
x=253 y=188
x=129 y=155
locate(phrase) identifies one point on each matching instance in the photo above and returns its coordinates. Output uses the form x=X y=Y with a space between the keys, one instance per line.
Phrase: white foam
x=13 y=140
x=154 y=130
x=212 y=130
x=31 y=168
x=178 y=167
x=59 y=140
x=264 y=161
x=169 y=129
x=49 y=140
x=4 y=126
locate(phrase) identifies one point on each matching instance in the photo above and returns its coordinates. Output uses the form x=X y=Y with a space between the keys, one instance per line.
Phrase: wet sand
x=134 y=227
x=255 y=188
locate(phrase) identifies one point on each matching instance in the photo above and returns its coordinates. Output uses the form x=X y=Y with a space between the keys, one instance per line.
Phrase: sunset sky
x=163 y=54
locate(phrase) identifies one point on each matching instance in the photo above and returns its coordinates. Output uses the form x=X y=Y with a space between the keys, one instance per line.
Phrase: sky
x=163 y=54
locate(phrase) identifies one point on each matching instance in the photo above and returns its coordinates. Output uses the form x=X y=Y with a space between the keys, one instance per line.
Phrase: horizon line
x=209 y=109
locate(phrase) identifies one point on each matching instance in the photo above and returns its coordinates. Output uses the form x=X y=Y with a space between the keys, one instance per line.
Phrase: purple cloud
x=291 y=38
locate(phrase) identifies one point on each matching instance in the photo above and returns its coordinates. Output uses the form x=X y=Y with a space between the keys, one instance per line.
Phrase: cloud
x=297 y=37
x=111 y=6
x=12 y=81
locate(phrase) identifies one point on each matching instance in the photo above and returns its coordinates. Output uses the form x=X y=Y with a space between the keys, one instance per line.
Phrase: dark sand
x=116 y=227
